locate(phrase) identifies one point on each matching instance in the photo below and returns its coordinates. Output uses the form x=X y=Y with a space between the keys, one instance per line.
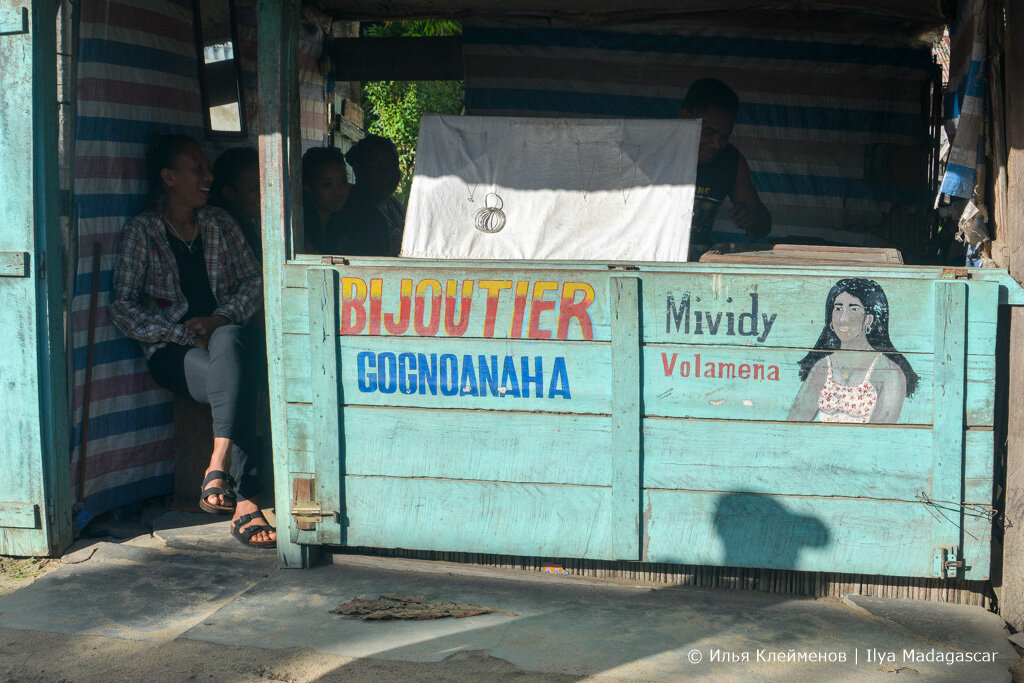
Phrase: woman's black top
x=192 y=277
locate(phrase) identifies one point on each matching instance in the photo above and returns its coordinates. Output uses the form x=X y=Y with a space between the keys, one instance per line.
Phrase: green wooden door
x=35 y=511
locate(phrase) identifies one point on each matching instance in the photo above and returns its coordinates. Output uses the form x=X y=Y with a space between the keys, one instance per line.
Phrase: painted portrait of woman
x=854 y=374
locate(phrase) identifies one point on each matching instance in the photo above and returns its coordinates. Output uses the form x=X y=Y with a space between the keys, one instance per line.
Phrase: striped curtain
x=137 y=78
x=835 y=124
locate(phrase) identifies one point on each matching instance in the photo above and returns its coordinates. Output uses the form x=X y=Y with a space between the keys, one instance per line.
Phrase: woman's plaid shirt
x=147 y=300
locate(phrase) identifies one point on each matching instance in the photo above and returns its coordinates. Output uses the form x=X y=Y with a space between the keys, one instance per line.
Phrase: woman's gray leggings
x=214 y=376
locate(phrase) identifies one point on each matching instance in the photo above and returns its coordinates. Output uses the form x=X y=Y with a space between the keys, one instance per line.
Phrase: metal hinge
x=942 y=564
x=956 y=274
x=308 y=511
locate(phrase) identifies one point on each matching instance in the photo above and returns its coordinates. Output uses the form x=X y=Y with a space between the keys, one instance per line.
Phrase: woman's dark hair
x=711 y=92
x=316 y=158
x=872 y=297
x=228 y=168
x=160 y=155
x=362 y=151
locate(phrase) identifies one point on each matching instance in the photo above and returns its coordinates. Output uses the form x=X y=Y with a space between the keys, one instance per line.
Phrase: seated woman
x=324 y=191
x=184 y=284
x=374 y=216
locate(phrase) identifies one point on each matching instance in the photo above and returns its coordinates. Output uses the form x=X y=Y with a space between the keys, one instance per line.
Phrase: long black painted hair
x=159 y=156
x=872 y=297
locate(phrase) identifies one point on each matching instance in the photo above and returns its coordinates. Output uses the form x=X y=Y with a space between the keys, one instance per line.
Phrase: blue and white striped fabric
x=833 y=123
x=137 y=79
x=964 y=103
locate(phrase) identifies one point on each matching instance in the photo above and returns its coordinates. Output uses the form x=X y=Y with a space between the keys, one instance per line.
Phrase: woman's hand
x=204 y=326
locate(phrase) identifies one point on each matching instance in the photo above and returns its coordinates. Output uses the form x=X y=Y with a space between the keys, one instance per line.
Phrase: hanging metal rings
x=490 y=219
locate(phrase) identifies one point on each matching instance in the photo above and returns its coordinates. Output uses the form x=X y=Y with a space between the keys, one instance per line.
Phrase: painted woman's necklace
x=845 y=374
x=188 y=243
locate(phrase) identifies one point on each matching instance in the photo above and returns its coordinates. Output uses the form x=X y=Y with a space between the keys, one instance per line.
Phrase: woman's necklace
x=188 y=243
x=845 y=374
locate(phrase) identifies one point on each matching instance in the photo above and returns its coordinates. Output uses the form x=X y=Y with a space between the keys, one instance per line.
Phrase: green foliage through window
x=393 y=108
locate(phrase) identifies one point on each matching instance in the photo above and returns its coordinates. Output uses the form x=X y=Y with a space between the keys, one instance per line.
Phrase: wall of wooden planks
x=527 y=476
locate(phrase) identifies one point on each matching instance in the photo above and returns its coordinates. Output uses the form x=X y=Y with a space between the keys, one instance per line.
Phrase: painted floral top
x=842 y=403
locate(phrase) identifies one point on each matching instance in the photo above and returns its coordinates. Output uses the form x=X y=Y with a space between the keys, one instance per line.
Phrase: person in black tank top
x=721 y=169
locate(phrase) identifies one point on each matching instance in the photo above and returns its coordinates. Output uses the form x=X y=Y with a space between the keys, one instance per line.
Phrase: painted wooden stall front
x=657 y=413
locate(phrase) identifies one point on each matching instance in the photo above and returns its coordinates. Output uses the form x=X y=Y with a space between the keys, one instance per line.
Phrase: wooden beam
x=1012 y=593
x=394 y=59
x=280 y=160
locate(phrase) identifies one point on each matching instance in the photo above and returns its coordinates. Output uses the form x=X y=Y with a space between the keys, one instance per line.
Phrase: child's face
x=329 y=188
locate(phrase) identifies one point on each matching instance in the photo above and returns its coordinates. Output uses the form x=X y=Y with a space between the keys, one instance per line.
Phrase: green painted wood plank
x=588 y=369
x=19 y=516
x=277 y=33
x=327 y=401
x=701 y=309
x=804 y=533
x=763 y=384
x=900 y=272
x=570 y=378
x=465 y=444
x=880 y=462
x=627 y=416
x=948 y=405
x=34 y=467
x=480 y=517
x=13 y=20
x=785 y=312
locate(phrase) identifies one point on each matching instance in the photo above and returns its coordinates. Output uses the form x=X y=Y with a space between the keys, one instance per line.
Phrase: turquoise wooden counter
x=821 y=419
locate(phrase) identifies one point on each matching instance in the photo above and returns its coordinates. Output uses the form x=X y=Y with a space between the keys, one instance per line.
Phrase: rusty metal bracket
x=334 y=261
x=942 y=564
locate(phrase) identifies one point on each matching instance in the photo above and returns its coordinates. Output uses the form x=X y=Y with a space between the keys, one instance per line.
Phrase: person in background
x=184 y=283
x=236 y=189
x=373 y=216
x=325 y=190
x=721 y=169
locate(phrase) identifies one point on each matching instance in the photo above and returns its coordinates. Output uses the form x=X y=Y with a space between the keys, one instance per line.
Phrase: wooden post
x=325 y=376
x=280 y=155
x=627 y=416
x=1012 y=593
x=948 y=417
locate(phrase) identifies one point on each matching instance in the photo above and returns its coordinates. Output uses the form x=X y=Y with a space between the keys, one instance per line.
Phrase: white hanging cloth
x=490 y=187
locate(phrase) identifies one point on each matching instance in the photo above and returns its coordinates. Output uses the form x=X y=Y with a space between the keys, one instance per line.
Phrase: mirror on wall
x=220 y=74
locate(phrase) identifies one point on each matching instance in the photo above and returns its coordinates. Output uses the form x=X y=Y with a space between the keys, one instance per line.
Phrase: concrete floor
x=189 y=587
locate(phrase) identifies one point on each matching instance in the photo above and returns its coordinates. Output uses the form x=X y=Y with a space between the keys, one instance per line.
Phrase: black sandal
x=243 y=535
x=228 y=493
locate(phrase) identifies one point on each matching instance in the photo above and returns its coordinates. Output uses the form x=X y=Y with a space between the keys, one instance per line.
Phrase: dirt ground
x=32 y=657
x=18 y=572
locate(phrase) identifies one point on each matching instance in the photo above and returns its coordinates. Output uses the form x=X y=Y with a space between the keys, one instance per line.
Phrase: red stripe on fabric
x=120 y=168
x=121 y=385
x=139 y=94
x=110 y=242
x=313 y=120
x=126 y=458
x=120 y=15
